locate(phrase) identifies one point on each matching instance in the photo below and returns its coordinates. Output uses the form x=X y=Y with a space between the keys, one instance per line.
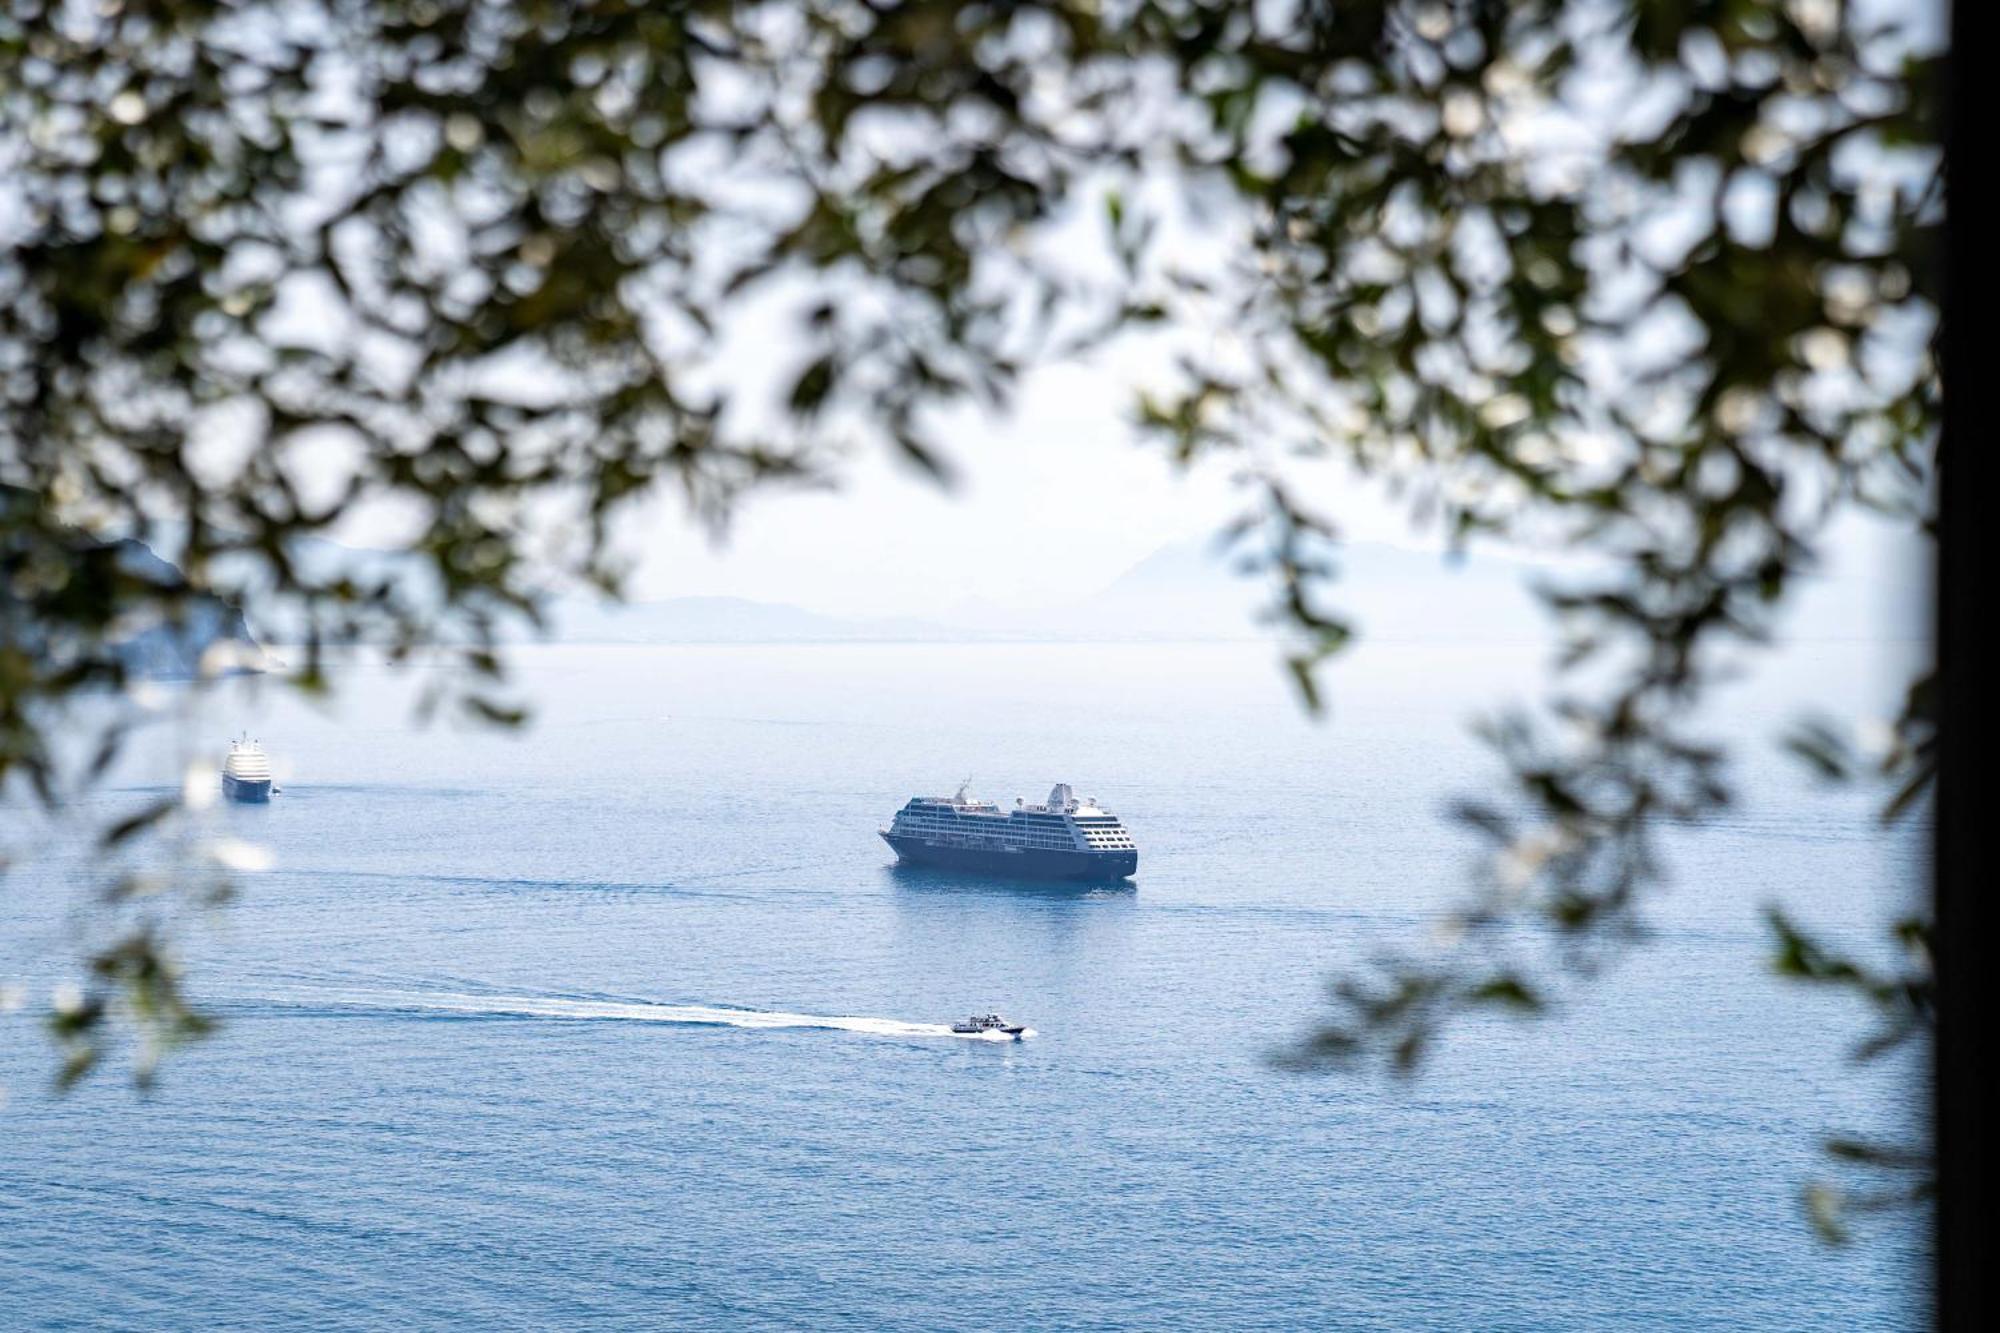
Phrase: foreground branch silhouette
x=1653 y=280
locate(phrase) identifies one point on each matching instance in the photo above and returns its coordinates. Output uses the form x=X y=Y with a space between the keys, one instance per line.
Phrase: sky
x=1055 y=500
x=1050 y=501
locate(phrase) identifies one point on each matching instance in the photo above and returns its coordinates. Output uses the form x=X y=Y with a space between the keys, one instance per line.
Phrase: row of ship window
x=961 y=839
x=1009 y=837
x=1047 y=831
x=989 y=831
x=986 y=821
x=1049 y=844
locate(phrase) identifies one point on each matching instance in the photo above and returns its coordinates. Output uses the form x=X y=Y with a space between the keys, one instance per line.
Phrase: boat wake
x=419 y=1004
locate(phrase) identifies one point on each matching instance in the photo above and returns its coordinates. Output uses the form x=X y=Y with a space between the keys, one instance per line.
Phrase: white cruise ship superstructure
x=1063 y=838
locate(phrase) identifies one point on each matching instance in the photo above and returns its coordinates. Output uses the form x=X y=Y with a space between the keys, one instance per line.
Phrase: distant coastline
x=1183 y=593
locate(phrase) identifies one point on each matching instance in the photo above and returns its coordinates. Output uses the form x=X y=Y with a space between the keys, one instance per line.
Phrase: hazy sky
x=1053 y=501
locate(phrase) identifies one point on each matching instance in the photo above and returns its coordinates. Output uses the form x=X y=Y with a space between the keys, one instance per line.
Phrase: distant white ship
x=246 y=774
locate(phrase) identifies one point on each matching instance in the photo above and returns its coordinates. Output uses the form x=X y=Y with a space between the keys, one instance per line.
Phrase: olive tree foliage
x=1652 y=278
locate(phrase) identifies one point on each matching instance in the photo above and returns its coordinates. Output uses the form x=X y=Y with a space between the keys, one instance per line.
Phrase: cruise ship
x=246 y=774
x=1065 y=838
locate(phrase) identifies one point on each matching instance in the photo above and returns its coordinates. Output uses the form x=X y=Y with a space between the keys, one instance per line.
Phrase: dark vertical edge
x=1965 y=676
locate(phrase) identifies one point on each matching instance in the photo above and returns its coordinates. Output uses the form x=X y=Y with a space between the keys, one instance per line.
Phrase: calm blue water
x=457 y=1083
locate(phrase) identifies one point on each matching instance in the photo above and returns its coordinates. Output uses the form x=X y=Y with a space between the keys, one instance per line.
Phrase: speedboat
x=979 y=1023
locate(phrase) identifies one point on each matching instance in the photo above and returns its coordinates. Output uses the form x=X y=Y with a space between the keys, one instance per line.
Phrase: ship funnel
x=1060 y=797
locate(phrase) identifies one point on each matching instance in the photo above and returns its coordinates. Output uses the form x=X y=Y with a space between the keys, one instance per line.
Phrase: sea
x=628 y=1019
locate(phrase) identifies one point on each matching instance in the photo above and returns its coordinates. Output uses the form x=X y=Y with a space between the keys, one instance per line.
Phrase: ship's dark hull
x=1031 y=863
x=250 y=793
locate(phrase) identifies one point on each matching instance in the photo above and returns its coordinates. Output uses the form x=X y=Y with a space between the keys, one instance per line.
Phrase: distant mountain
x=113 y=573
x=727 y=620
x=175 y=652
x=1391 y=593
x=585 y=619
x=1183 y=591
x=1189 y=591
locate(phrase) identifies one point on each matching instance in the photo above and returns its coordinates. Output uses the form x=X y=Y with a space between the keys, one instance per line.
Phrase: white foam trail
x=536 y=1006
